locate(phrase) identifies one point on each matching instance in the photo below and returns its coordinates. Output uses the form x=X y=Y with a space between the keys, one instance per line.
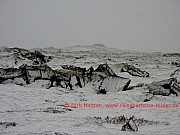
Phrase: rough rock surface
x=176 y=75
x=108 y=81
x=147 y=97
x=130 y=126
x=28 y=73
x=9 y=73
x=70 y=76
x=164 y=87
x=20 y=54
x=176 y=63
x=172 y=55
x=132 y=70
x=159 y=90
x=105 y=69
x=114 y=84
x=175 y=87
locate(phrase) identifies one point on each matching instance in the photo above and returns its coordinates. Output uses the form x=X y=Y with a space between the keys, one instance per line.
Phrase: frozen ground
x=38 y=110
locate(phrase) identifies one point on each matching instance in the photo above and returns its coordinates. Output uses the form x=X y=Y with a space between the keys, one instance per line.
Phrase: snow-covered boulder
x=106 y=80
x=21 y=56
x=147 y=97
x=159 y=90
x=9 y=73
x=164 y=87
x=132 y=70
x=175 y=87
x=114 y=84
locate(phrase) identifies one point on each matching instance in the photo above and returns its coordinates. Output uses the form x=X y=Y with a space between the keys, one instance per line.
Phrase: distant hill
x=99 y=45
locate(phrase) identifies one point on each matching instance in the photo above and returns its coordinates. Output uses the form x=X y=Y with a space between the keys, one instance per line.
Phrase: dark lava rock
x=130 y=125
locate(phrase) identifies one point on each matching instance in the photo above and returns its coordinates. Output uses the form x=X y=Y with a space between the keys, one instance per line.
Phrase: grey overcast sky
x=144 y=25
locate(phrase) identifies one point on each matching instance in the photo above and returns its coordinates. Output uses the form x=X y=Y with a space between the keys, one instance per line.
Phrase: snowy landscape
x=81 y=90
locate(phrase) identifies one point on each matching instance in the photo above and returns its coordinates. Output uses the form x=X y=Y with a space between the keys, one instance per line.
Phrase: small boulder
x=130 y=125
x=115 y=84
x=164 y=87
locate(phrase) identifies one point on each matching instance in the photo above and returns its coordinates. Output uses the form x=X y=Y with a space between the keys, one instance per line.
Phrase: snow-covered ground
x=37 y=110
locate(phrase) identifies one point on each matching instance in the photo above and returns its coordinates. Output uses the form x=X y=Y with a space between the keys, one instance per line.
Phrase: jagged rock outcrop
x=28 y=73
x=114 y=84
x=102 y=91
x=8 y=124
x=172 y=55
x=74 y=68
x=81 y=73
x=69 y=77
x=130 y=125
x=132 y=70
x=176 y=75
x=35 y=72
x=159 y=90
x=23 y=54
x=104 y=68
x=122 y=119
x=175 y=87
x=105 y=78
x=63 y=77
x=165 y=87
x=31 y=73
x=9 y=73
x=88 y=74
x=107 y=81
x=176 y=63
x=147 y=97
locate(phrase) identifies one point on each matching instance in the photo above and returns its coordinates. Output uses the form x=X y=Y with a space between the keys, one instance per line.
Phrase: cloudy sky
x=145 y=25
